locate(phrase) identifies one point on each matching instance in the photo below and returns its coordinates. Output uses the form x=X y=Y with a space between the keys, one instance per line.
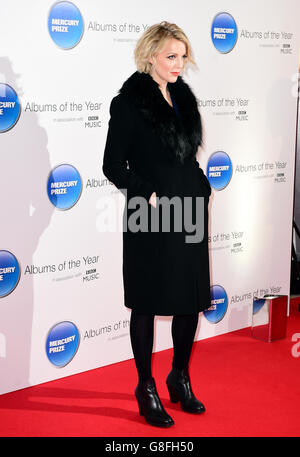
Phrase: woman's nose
x=180 y=63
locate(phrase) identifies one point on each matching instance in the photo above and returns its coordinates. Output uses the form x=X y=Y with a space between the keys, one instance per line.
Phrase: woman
x=153 y=137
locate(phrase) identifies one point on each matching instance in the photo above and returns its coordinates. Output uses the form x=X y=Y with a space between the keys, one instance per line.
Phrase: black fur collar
x=181 y=135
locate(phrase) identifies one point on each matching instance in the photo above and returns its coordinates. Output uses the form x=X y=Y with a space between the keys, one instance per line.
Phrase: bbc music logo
x=64 y=186
x=9 y=273
x=224 y=32
x=219 y=170
x=65 y=25
x=62 y=343
x=10 y=107
x=219 y=304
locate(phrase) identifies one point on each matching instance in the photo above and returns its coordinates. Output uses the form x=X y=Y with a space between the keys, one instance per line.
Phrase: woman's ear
x=152 y=60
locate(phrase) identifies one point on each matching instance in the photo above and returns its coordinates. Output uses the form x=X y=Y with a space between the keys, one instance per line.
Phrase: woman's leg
x=141 y=335
x=183 y=333
x=150 y=406
x=178 y=380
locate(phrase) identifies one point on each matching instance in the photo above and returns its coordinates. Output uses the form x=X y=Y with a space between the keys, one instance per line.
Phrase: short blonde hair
x=153 y=40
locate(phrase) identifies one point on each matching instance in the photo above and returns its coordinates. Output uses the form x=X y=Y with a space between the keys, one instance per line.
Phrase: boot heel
x=140 y=408
x=173 y=395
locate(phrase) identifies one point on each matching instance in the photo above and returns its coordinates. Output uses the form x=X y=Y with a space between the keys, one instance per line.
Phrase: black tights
x=141 y=333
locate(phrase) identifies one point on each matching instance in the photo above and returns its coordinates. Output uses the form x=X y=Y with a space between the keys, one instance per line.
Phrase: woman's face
x=168 y=63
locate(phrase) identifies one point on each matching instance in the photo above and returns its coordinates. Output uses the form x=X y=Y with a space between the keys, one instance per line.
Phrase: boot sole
x=159 y=425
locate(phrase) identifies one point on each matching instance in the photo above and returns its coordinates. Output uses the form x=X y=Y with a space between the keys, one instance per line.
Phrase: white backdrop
x=70 y=269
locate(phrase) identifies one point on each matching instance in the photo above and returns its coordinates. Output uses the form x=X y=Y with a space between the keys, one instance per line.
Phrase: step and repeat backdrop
x=61 y=289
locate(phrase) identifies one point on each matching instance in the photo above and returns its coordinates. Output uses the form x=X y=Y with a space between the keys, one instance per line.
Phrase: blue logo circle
x=62 y=343
x=258 y=303
x=10 y=107
x=9 y=273
x=224 y=32
x=65 y=25
x=219 y=170
x=64 y=186
x=219 y=304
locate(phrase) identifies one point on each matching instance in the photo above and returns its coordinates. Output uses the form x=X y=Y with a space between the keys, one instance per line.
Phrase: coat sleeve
x=120 y=137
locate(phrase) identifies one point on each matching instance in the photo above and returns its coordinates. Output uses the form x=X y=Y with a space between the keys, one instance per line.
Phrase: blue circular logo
x=65 y=25
x=64 y=186
x=9 y=273
x=258 y=303
x=219 y=304
x=219 y=170
x=10 y=107
x=62 y=343
x=224 y=32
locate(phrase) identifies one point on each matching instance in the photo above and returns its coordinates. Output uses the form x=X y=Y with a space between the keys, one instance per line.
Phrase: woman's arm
x=120 y=138
x=203 y=177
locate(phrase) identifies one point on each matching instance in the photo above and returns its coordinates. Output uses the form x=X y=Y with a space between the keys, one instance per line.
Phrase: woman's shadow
x=25 y=215
x=41 y=398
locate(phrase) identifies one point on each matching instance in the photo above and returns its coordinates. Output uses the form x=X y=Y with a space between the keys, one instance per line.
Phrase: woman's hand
x=152 y=200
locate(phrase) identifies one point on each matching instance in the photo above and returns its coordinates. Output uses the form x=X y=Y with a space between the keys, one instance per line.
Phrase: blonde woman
x=154 y=134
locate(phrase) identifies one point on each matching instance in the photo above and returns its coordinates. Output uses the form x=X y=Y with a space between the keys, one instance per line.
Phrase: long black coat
x=162 y=273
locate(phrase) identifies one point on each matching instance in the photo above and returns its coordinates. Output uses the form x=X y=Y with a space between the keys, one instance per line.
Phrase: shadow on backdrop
x=25 y=214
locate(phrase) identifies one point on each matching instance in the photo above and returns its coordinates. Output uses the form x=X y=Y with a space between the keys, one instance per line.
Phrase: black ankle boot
x=179 y=386
x=150 y=405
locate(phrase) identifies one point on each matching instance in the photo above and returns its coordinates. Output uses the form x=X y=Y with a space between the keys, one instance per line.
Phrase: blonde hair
x=153 y=40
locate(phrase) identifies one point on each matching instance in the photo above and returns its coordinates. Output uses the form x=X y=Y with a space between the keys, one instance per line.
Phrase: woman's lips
x=175 y=73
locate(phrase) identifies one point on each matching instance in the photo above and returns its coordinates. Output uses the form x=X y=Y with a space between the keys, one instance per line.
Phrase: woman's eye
x=171 y=57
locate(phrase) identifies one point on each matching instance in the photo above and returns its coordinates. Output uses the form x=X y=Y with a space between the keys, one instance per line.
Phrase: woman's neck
x=163 y=88
x=166 y=94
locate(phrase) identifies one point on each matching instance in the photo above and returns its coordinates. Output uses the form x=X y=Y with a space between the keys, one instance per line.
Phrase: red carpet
x=249 y=387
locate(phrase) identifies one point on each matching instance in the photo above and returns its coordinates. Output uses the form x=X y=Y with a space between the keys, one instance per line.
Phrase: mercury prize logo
x=219 y=170
x=10 y=107
x=65 y=25
x=62 y=343
x=219 y=304
x=9 y=273
x=224 y=32
x=64 y=186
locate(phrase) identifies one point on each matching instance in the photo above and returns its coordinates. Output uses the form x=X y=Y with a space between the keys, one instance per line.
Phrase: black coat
x=162 y=273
